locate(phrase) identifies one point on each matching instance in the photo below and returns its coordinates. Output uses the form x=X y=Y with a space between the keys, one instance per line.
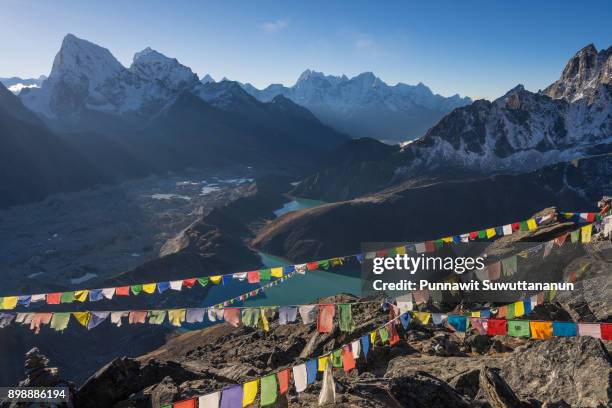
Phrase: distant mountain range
x=365 y=106
x=152 y=117
x=519 y=132
x=16 y=84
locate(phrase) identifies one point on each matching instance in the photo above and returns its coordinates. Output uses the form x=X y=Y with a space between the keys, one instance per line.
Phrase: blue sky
x=475 y=48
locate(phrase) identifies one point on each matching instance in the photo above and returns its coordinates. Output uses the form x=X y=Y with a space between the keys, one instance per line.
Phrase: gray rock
x=575 y=370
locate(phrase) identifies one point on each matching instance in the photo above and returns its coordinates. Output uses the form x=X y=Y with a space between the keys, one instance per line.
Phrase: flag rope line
x=84 y=295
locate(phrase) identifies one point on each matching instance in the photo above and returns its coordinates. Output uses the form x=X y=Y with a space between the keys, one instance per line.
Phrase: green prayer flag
x=336 y=358
x=524 y=226
x=59 y=321
x=67 y=297
x=439 y=243
x=203 y=281
x=324 y=264
x=518 y=328
x=157 y=316
x=509 y=266
x=265 y=274
x=391 y=252
x=482 y=234
x=250 y=317
x=136 y=289
x=575 y=236
x=384 y=335
x=268 y=390
x=510 y=312
x=347 y=323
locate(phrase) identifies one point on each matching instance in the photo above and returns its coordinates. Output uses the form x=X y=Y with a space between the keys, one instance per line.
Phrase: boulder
x=576 y=370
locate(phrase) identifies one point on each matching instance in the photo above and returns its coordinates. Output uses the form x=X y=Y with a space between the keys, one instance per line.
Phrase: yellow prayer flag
x=541 y=330
x=373 y=338
x=531 y=224
x=216 y=279
x=249 y=392
x=82 y=317
x=447 y=240
x=277 y=272
x=586 y=233
x=176 y=316
x=149 y=287
x=422 y=317
x=81 y=295
x=263 y=322
x=322 y=364
x=476 y=314
x=519 y=308
x=490 y=232
x=10 y=302
x=400 y=250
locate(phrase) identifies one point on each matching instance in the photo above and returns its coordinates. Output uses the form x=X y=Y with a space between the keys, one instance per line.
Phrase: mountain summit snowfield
x=365 y=106
x=87 y=76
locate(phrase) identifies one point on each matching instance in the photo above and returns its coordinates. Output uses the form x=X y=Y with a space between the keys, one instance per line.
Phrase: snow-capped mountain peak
x=206 y=79
x=364 y=105
x=151 y=65
x=584 y=73
x=86 y=76
x=78 y=58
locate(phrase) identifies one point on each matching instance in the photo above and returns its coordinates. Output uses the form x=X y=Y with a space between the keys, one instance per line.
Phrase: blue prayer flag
x=311 y=371
x=95 y=295
x=564 y=329
x=405 y=319
x=163 y=286
x=459 y=323
x=365 y=345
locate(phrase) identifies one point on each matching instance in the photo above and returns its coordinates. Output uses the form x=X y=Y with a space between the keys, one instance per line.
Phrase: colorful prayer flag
x=249 y=392
x=325 y=320
x=518 y=328
x=541 y=330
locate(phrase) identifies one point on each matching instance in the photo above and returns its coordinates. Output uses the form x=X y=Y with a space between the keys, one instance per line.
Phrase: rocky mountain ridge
x=519 y=132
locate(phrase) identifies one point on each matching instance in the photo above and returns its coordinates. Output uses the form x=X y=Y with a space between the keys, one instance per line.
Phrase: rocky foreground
x=430 y=367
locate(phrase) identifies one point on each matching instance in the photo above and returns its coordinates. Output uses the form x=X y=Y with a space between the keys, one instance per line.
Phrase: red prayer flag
x=473 y=236
x=253 y=277
x=232 y=316
x=137 y=316
x=312 y=265
x=283 y=380
x=590 y=217
x=496 y=327
x=572 y=277
x=561 y=240
x=516 y=226
x=430 y=246
x=54 y=298
x=501 y=311
x=325 y=320
x=381 y=254
x=393 y=336
x=185 y=404
x=606 y=331
x=122 y=291
x=188 y=283
x=348 y=361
